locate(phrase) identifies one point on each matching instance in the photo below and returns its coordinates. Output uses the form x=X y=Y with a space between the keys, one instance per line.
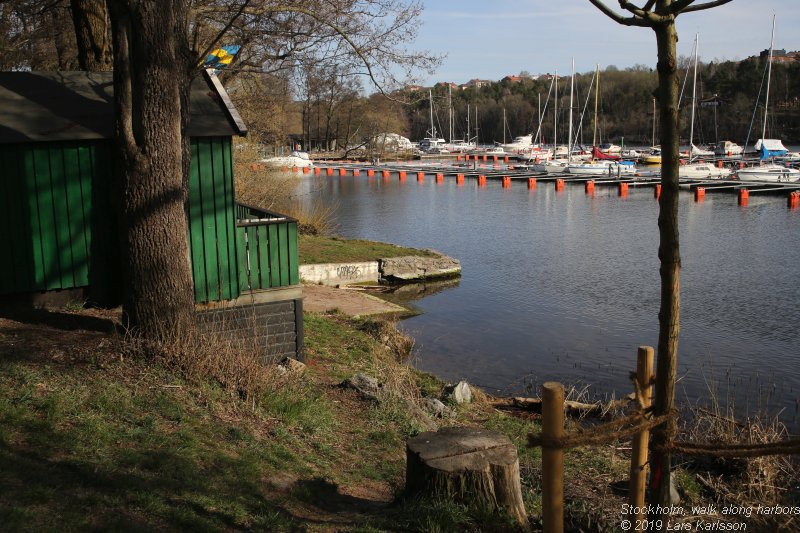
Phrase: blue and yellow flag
x=221 y=57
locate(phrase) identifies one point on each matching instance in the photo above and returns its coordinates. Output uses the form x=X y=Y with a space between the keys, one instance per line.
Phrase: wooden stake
x=553 y=458
x=638 y=479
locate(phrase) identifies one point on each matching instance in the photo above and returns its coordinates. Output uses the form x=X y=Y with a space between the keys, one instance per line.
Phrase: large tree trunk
x=149 y=40
x=92 y=34
x=669 y=255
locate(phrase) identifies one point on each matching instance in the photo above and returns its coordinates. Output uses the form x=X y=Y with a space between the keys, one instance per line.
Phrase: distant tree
x=660 y=15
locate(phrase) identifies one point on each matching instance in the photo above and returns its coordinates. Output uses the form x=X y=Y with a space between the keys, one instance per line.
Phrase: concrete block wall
x=274 y=329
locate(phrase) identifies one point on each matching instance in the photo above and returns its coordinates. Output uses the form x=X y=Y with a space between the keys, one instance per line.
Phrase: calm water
x=561 y=286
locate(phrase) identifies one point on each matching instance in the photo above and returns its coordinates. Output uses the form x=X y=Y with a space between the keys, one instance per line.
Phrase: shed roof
x=61 y=106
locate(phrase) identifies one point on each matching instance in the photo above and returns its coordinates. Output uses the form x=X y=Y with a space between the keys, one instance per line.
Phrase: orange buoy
x=466 y=157
x=505 y=159
x=439 y=177
x=343 y=172
x=460 y=179
x=699 y=194
x=420 y=176
x=623 y=189
x=481 y=181
x=589 y=187
x=284 y=169
x=306 y=170
x=531 y=183
x=657 y=191
x=370 y=172
x=329 y=171
x=317 y=171
x=485 y=157
x=794 y=200
x=295 y=169
x=402 y=175
x=506 y=182
x=386 y=173
x=744 y=197
x=356 y=172
x=458 y=158
x=494 y=158
x=559 y=184
x=741 y=164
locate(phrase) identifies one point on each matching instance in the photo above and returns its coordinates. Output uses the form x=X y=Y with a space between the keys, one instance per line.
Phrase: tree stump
x=474 y=466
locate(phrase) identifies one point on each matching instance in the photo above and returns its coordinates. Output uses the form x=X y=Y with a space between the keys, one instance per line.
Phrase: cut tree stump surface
x=472 y=465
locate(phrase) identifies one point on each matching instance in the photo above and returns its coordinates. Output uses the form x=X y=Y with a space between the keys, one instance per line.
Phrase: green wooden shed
x=56 y=219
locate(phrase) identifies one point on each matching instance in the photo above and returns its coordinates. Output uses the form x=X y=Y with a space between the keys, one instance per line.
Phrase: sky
x=491 y=39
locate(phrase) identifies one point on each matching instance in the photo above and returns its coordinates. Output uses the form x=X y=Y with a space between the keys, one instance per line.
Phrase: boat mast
x=571 y=91
x=504 y=125
x=433 y=128
x=467 y=139
x=694 y=96
x=555 y=116
x=596 y=96
x=769 y=75
x=654 y=122
x=450 y=107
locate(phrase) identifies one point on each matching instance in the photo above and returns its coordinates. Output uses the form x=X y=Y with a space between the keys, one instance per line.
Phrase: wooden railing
x=267 y=248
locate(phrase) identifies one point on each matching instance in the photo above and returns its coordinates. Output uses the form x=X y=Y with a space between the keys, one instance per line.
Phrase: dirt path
x=320 y=298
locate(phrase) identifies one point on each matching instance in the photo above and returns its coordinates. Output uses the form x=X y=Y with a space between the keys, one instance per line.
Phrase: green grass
x=316 y=249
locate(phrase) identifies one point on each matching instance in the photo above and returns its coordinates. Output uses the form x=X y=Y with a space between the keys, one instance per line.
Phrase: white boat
x=601 y=168
x=296 y=159
x=610 y=148
x=432 y=145
x=728 y=148
x=697 y=151
x=495 y=150
x=769 y=172
x=551 y=166
x=703 y=171
x=771 y=148
x=519 y=144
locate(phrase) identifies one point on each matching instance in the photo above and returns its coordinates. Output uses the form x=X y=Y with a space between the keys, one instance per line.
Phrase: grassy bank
x=98 y=432
x=320 y=249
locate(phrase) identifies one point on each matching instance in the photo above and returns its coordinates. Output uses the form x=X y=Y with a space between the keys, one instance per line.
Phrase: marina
x=560 y=274
x=507 y=174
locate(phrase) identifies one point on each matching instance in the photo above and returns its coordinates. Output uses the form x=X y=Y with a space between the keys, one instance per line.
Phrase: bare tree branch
x=701 y=7
x=616 y=17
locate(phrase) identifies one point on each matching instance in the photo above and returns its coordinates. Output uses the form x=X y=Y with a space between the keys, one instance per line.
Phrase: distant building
x=413 y=88
x=512 y=79
x=475 y=83
x=447 y=84
x=781 y=56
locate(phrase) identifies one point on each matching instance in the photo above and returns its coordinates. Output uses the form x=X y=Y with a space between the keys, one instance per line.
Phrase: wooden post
x=638 y=480
x=552 y=458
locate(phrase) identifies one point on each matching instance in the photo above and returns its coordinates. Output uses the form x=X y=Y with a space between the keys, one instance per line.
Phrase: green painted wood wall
x=47 y=204
x=53 y=196
x=212 y=215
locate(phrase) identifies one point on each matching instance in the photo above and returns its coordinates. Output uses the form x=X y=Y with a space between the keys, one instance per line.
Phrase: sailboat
x=770 y=172
x=432 y=144
x=698 y=169
x=602 y=164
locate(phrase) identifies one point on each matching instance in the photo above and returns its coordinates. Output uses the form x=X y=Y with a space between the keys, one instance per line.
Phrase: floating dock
x=508 y=173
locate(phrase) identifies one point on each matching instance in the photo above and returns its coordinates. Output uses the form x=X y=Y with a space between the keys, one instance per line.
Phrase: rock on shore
x=412 y=267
